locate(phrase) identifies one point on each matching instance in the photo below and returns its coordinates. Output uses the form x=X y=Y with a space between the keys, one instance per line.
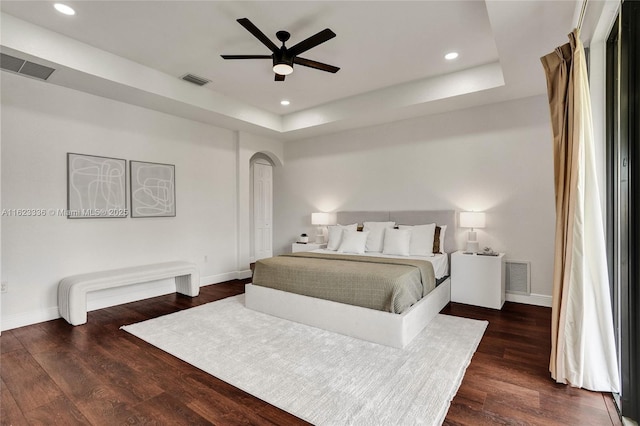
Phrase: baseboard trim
x=532 y=299
x=244 y=274
x=113 y=298
x=20 y=320
x=221 y=278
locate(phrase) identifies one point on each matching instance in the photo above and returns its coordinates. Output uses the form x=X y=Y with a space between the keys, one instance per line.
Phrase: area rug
x=322 y=377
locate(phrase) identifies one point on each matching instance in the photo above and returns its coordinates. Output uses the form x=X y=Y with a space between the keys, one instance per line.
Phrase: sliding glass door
x=623 y=198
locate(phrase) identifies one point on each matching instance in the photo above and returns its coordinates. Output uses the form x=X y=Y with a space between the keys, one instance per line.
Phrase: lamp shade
x=323 y=219
x=472 y=219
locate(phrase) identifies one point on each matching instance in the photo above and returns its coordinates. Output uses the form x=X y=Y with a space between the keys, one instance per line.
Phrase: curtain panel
x=583 y=350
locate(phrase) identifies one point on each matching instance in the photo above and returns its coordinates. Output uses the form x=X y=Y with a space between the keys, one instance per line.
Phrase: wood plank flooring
x=54 y=373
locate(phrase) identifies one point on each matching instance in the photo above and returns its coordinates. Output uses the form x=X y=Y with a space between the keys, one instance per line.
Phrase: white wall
x=496 y=158
x=41 y=122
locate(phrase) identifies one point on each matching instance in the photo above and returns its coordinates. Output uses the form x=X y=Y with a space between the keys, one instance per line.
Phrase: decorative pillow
x=335 y=235
x=375 y=241
x=436 y=240
x=422 y=238
x=397 y=241
x=353 y=241
x=443 y=229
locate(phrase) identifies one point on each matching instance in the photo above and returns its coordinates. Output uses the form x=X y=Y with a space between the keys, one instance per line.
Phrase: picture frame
x=96 y=187
x=153 y=189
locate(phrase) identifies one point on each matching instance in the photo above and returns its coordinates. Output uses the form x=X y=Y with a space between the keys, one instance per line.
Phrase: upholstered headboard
x=414 y=217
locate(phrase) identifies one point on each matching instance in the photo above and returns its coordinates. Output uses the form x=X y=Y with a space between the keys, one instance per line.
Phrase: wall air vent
x=26 y=68
x=518 y=277
x=192 y=78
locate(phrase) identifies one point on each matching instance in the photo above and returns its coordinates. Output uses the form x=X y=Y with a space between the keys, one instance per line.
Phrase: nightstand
x=298 y=247
x=478 y=279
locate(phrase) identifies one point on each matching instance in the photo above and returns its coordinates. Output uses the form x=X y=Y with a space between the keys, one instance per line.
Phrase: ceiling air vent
x=20 y=66
x=191 y=78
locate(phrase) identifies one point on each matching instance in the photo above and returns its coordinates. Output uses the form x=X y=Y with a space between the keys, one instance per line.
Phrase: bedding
x=383 y=283
x=422 y=238
x=375 y=240
x=335 y=234
x=439 y=261
x=353 y=242
x=397 y=241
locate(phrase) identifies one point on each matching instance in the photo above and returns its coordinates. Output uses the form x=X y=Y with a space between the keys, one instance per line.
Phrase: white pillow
x=443 y=229
x=335 y=235
x=375 y=241
x=397 y=241
x=353 y=241
x=421 y=239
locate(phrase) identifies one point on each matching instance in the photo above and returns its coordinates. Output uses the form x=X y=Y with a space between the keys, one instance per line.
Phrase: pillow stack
x=335 y=235
x=375 y=240
x=353 y=242
x=397 y=241
x=422 y=237
x=384 y=237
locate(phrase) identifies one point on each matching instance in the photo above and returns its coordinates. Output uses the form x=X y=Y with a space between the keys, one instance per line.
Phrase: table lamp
x=321 y=220
x=472 y=220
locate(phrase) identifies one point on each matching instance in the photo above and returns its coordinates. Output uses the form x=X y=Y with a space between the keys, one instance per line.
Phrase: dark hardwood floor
x=53 y=373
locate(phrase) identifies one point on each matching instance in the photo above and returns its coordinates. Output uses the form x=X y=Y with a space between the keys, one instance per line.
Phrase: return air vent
x=20 y=66
x=518 y=277
x=192 y=78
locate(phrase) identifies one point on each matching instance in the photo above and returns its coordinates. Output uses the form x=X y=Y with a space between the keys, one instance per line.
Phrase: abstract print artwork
x=96 y=187
x=152 y=189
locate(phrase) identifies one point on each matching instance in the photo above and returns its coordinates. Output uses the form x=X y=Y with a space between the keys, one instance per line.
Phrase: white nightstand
x=478 y=280
x=298 y=247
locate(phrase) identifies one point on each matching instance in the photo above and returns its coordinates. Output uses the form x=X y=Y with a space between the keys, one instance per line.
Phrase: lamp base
x=320 y=235
x=472 y=247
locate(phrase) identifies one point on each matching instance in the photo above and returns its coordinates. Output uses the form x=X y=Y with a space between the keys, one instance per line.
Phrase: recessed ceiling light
x=63 y=8
x=451 y=56
x=284 y=102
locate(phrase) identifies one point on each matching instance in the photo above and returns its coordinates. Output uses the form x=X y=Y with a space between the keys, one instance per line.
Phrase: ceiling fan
x=284 y=57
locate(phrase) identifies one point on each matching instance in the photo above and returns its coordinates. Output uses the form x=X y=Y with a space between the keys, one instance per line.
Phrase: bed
x=394 y=323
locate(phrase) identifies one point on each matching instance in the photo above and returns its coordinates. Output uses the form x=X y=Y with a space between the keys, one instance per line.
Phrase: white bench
x=72 y=291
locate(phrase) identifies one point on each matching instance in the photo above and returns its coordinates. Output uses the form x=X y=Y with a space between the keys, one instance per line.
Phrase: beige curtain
x=582 y=341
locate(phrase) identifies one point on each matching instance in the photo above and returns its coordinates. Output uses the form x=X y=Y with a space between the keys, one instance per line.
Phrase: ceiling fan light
x=282 y=69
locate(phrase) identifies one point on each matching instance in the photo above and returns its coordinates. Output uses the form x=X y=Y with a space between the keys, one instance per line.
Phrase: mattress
x=391 y=284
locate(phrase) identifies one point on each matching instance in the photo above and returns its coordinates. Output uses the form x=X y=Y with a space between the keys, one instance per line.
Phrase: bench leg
x=188 y=285
x=77 y=308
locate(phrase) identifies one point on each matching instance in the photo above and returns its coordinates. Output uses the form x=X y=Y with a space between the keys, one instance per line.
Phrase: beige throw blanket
x=385 y=284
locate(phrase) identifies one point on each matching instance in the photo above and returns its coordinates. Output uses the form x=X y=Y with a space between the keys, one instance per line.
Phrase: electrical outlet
x=5 y=287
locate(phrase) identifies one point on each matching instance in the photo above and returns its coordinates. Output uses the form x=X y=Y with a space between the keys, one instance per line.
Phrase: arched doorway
x=261 y=208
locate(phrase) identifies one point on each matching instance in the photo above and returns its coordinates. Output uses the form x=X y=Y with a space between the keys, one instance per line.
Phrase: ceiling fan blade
x=312 y=41
x=314 y=64
x=279 y=77
x=258 y=34
x=246 y=56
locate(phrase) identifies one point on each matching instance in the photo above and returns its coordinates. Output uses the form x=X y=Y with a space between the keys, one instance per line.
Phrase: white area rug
x=319 y=376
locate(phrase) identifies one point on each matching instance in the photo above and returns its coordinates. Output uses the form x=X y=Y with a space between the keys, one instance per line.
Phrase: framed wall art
x=96 y=187
x=152 y=189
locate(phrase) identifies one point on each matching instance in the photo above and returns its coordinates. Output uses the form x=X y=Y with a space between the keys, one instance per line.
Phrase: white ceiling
x=390 y=54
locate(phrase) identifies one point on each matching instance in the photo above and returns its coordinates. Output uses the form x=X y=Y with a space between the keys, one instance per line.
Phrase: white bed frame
x=396 y=330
